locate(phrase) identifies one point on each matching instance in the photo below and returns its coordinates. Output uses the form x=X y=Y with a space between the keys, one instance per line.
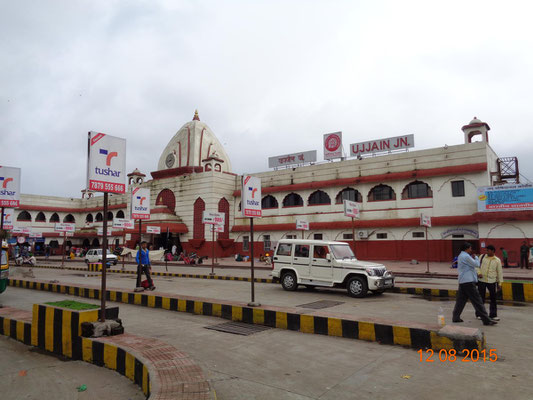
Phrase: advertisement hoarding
x=64 y=227
x=382 y=145
x=140 y=203
x=106 y=163
x=36 y=235
x=213 y=218
x=9 y=186
x=251 y=197
x=100 y=231
x=290 y=159
x=425 y=220
x=123 y=223
x=153 y=229
x=332 y=145
x=351 y=209
x=302 y=225
x=8 y=218
x=505 y=198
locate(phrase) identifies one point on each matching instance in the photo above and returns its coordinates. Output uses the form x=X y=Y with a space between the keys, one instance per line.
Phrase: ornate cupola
x=476 y=128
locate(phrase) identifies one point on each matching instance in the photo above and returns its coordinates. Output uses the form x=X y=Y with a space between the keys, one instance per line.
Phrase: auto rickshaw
x=4 y=267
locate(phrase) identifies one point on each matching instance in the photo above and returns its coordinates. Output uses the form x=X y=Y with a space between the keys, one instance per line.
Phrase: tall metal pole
x=213 y=251
x=139 y=268
x=103 y=290
x=63 y=249
x=427 y=251
x=123 y=245
x=353 y=235
x=2 y=222
x=252 y=303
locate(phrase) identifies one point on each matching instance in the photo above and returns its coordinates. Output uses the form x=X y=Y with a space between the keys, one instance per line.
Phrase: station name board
x=291 y=159
x=382 y=145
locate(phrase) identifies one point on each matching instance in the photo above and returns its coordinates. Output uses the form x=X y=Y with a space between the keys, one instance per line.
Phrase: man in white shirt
x=466 y=267
x=490 y=277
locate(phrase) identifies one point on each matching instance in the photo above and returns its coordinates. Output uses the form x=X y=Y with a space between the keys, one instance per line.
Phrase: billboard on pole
x=64 y=227
x=213 y=218
x=153 y=229
x=251 y=197
x=9 y=187
x=140 y=203
x=351 y=209
x=8 y=218
x=302 y=225
x=332 y=145
x=123 y=223
x=106 y=163
x=425 y=220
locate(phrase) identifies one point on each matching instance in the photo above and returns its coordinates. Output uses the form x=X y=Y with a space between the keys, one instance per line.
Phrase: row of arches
x=414 y=190
x=25 y=216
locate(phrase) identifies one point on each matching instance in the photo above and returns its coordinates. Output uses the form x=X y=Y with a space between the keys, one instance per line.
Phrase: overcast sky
x=268 y=77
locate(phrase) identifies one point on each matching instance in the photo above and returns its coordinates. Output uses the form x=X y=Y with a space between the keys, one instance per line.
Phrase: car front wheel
x=357 y=287
x=288 y=281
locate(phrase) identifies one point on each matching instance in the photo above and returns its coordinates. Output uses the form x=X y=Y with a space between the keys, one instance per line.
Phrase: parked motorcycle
x=21 y=260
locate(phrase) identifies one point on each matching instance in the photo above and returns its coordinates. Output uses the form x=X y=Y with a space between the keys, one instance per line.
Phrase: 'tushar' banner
x=140 y=203
x=8 y=218
x=106 y=164
x=9 y=187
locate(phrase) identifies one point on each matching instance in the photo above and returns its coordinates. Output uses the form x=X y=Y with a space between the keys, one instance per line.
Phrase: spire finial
x=196 y=117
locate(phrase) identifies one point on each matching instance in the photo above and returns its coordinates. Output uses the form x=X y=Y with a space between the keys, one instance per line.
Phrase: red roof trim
x=394 y=176
x=28 y=207
x=168 y=173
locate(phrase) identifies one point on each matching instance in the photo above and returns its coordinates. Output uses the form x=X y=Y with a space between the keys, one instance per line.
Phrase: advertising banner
x=8 y=218
x=351 y=209
x=332 y=145
x=290 y=159
x=153 y=229
x=64 y=227
x=213 y=218
x=140 y=203
x=100 y=231
x=505 y=198
x=9 y=187
x=36 y=235
x=123 y=223
x=425 y=220
x=302 y=225
x=382 y=145
x=251 y=197
x=106 y=163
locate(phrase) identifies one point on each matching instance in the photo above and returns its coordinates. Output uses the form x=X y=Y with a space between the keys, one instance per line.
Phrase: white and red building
x=194 y=174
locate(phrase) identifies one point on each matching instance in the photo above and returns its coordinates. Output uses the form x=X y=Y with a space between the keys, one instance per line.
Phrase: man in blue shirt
x=466 y=267
x=143 y=265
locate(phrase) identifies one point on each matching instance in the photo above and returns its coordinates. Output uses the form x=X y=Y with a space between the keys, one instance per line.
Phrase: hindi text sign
x=290 y=159
x=123 y=223
x=505 y=198
x=425 y=220
x=213 y=218
x=302 y=225
x=106 y=163
x=64 y=227
x=153 y=229
x=9 y=187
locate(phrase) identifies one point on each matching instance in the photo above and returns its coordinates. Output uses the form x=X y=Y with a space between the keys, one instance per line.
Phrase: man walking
x=466 y=267
x=143 y=266
x=524 y=255
x=491 y=278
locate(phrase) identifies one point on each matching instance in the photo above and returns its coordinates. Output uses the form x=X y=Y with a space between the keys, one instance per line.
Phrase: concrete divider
x=417 y=336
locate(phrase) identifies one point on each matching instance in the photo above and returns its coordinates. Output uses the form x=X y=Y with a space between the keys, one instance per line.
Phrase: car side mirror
x=328 y=257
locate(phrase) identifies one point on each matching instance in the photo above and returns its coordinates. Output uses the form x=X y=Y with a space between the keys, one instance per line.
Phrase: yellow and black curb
x=511 y=291
x=416 y=336
x=56 y=330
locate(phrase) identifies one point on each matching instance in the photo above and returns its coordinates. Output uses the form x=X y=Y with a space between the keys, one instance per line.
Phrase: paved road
x=278 y=364
x=28 y=374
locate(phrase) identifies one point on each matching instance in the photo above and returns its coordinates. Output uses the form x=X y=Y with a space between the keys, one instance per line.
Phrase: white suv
x=327 y=264
x=95 y=256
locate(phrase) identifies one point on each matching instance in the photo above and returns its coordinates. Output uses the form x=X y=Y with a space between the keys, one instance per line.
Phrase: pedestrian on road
x=524 y=255
x=47 y=251
x=505 y=257
x=467 y=263
x=143 y=266
x=490 y=277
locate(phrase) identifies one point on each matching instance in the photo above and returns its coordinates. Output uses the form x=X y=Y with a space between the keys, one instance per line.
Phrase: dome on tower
x=194 y=145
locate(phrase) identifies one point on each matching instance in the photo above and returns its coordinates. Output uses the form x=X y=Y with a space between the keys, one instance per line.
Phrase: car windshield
x=341 y=251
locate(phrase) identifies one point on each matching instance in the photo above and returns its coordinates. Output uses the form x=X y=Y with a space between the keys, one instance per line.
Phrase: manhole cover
x=238 y=328
x=317 y=305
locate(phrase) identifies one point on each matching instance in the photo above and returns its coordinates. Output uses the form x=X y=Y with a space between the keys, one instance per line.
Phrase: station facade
x=194 y=174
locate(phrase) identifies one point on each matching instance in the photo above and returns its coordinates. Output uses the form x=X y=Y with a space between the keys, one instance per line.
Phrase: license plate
x=388 y=281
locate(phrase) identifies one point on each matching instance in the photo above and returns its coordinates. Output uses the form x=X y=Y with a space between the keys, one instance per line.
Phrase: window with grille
x=266 y=242
x=458 y=188
x=319 y=197
x=347 y=236
x=293 y=200
x=381 y=193
x=418 y=234
x=317 y=236
x=417 y=190
x=246 y=243
x=269 y=202
x=381 y=236
x=348 y=194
